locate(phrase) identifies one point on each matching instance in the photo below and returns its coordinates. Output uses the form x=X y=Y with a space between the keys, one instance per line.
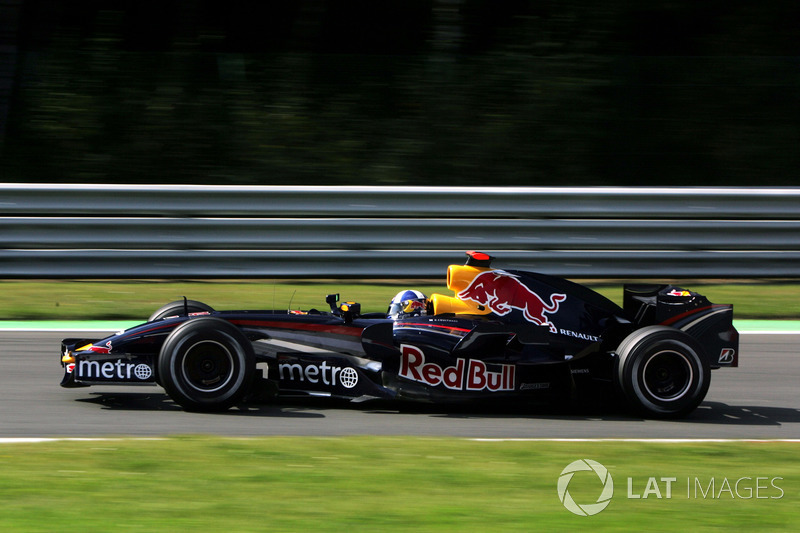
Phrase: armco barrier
x=128 y=231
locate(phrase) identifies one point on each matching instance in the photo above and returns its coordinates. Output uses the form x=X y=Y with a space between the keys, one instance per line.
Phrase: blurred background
x=400 y=92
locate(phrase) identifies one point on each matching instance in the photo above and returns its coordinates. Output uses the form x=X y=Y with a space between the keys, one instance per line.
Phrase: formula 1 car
x=502 y=335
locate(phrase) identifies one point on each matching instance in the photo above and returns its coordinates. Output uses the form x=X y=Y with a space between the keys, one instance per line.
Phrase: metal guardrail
x=82 y=231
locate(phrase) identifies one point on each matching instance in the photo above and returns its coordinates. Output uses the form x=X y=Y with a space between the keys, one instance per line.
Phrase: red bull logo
x=414 y=305
x=502 y=292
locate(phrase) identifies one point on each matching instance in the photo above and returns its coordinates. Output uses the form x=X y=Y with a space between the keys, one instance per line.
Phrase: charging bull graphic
x=501 y=292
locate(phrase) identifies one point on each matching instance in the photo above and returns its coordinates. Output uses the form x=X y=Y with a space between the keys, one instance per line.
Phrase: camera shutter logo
x=588 y=509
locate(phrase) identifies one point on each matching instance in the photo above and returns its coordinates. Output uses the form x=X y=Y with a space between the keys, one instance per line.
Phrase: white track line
x=645 y=441
x=34 y=440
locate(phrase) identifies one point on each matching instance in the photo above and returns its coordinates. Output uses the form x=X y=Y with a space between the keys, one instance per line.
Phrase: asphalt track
x=758 y=400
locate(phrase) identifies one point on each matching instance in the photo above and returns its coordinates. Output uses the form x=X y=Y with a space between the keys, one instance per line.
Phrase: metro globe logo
x=115 y=370
x=348 y=377
x=316 y=374
x=579 y=467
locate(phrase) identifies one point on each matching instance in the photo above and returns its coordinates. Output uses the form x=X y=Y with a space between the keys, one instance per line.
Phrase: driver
x=406 y=304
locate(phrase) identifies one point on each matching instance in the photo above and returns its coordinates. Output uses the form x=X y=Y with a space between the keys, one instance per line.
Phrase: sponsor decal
x=726 y=355
x=142 y=371
x=676 y=292
x=120 y=369
x=534 y=386
x=464 y=375
x=583 y=336
x=414 y=305
x=348 y=377
x=198 y=313
x=502 y=292
x=323 y=373
x=97 y=349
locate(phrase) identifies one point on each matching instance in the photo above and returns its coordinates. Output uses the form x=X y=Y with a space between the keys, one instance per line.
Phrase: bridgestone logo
x=114 y=370
x=465 y=374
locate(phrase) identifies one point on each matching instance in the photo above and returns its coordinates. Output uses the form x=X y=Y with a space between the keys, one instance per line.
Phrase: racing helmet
x=408 y=303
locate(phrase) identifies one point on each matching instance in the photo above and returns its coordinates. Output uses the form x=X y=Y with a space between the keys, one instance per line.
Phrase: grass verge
x=136 y=300
x=390 y=484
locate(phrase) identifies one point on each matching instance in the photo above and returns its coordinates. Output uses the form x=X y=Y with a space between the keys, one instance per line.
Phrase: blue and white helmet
x=408 y=303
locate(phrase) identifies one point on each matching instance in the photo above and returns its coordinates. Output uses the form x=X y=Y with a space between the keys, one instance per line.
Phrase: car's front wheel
x=206 y=364
x=662 y=372
x=180 y=307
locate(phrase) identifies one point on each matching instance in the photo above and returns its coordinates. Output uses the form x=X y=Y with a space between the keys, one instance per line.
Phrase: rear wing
x=667 y=305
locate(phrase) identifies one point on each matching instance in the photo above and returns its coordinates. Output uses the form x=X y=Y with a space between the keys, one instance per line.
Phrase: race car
x=503 y=335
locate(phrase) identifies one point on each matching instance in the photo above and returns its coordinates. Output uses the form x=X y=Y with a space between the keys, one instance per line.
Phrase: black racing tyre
x=206 y=364
x=178 y=308
x=662 y=372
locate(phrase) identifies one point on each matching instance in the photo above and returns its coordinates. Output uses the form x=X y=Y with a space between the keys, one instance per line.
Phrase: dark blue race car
x=502 y=335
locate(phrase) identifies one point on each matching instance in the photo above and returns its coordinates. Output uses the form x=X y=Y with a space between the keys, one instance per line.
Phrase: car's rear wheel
x=206 y=364
x=178 y=308
x=662 y=372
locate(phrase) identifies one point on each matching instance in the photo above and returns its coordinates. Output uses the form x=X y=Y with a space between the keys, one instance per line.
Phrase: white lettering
x=324 y=367
x=759 y=487
x=118 y=370
x=743 y=488
x=668 y=481
x=88 y=369
x=725 y=487
x=313 y=373
x=582 y=336
x=651 y=488
x=290 y=368
x=748 y=488
x=710 y=488
x=772 y=482
x=631 y=495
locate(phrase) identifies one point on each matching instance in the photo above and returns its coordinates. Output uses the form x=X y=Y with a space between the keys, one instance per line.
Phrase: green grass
x=384 y=484
x=102 y=300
